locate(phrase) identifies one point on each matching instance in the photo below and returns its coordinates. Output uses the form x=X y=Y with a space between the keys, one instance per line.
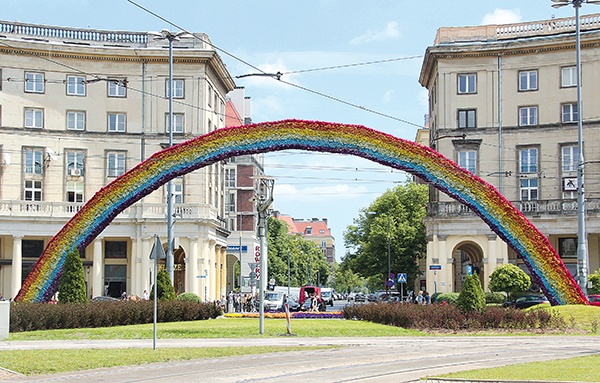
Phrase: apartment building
x=315 y=230
x=503 y=104
x=78 y=108
x=242 y=185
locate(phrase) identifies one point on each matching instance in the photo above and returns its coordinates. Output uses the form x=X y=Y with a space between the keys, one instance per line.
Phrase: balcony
x=63 y=211
x=528 y=208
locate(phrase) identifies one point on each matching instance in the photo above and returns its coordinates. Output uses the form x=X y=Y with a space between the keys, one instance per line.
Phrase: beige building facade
x=80 y=107
x=503 y=104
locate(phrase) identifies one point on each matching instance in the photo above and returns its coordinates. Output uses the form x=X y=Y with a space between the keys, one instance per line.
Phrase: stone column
x=489 y=260
x=192 y=267
x=17 y=266
x=97 y=268
x=146 y=265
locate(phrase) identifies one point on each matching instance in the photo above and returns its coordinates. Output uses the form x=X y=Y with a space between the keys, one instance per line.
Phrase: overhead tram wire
x=275 y=76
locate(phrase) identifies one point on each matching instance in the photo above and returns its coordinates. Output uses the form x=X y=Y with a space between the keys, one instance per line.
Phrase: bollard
x=4 y=319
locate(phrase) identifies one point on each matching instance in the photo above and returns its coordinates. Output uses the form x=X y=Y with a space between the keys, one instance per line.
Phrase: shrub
x=71 y=288
x=447 y=297
x=595 y=279
x=164 y=287
x=510 y=279
x=497 y=298
x=190 y=297
x=471 y=298
x=25 y=316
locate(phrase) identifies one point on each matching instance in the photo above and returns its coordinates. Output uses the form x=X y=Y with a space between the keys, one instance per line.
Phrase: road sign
x=402 y=278
x=390 y=283
x=469 y=270
x=435 y=267
x=158 y=252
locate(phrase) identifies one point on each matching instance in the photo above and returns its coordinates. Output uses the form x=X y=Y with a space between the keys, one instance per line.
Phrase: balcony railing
x=149 y=211
x=528 y=208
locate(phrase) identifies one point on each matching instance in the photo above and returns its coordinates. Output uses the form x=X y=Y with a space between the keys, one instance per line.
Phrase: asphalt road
x=368 y=360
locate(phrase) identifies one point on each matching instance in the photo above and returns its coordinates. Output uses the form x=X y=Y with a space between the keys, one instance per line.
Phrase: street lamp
x=170 y=36
x=389 y=229
x=582 y=253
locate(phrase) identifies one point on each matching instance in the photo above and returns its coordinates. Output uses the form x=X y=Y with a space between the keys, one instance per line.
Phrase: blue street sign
x=402 y=278
x=469 y=270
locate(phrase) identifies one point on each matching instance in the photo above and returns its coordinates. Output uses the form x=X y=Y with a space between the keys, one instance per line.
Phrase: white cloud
x=287 y=192
x=502 y=16
x=388 y=96
x=390 y=32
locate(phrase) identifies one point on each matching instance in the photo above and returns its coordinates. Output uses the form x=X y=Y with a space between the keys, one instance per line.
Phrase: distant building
x=503 y=104
x=240 y=188
x=314 y=230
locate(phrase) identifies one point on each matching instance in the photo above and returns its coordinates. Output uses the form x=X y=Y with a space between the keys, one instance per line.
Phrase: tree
x=398 y=213
x=307 y=261
x=71 y=288
x=471 y=298
x=595 y=279
x=510 y=279
x=164 y=287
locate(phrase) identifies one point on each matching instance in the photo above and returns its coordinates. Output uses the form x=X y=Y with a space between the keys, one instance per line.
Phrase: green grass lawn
x=580 y=369
x=37 y=362
x=223 y=328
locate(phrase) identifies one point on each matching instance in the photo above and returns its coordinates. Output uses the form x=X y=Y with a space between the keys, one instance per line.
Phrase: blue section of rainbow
x=542 y=260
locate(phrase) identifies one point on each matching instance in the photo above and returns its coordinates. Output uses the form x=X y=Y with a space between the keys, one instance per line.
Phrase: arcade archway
x=506 y=221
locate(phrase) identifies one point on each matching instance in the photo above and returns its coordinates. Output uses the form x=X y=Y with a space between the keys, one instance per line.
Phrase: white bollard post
x=4 y=319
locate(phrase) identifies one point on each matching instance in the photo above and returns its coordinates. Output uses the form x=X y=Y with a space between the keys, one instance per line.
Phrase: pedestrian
x=145 y=295
x=420 y=298
x=427 y=298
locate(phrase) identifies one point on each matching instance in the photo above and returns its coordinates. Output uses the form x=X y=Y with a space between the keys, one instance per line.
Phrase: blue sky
x=294 y=37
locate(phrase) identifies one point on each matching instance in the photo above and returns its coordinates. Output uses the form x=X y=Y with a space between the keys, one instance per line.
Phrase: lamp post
x=389 y=252
x=170 y=36
x=582 y=252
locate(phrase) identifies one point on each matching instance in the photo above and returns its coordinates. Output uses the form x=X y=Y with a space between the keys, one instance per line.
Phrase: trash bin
x=4 y=319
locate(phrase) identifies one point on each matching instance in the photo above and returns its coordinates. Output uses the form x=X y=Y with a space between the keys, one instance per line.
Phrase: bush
x=164 y=287
x=497 y=298
x=26 y=316
x=510 y=279
x=447 y=297
x=450 y=317
x=190 y=297
x=71 y=288
x=595 y=279
x=471 y=298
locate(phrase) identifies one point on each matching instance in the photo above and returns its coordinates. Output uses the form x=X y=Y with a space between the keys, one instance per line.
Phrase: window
x=466 y=118
x=75 y=86
x=177 y=190
x=567 y=247
x=33 y=190
x=75 y=120
x=230 y=178
x=528 y=115
x=569 y=112
x=209 y=96
x=468 y=160
x=528 y=80
x=74 y=191
x=308 y=230
x=529 y=189
x=323 y=243
x=178 y=88
x=528 y=160
x=115 y=164
x=230 y=202
x=117 y=122
x=34 y=118
x=570 y=158
x=34 y=82
x=75 y=166
x=568 y=76
x=34 y=161
x=467 y=83
x=115 y=249
x=117 y=88
x=178 y=122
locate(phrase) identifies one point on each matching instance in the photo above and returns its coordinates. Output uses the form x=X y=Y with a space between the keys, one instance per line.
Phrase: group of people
x=423 y=298
x=239 y=302
x=134 y=297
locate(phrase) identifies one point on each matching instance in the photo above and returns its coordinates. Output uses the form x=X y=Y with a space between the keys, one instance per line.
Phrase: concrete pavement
x=385 y=359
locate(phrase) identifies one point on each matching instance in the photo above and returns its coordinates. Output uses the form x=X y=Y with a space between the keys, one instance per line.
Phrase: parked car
x=594 y=300
x=360 y=297
x=327 y=296
x=526 y=301
x=273 y=300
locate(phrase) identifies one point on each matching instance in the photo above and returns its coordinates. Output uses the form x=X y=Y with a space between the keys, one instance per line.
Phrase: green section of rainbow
x=542 y=260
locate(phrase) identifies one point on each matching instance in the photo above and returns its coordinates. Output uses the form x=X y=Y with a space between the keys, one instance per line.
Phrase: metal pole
x=500 y=140
x=155 y=299
x=581 y=232
x=241 y=275
x=387 y=285
x=261 y=288
x=170 y=260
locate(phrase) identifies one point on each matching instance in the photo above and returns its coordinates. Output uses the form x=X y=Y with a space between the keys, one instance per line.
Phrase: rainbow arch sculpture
x=504 y=219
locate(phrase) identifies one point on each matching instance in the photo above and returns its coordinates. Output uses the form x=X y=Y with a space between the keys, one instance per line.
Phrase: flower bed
x=294 y=315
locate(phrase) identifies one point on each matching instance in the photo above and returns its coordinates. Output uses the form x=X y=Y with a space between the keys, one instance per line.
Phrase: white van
x=327 y=295
x=273 y=300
